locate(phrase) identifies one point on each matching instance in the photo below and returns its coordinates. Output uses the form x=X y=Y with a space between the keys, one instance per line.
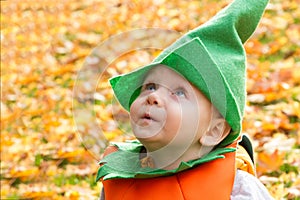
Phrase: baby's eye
x=180 y=93
x=150 y=87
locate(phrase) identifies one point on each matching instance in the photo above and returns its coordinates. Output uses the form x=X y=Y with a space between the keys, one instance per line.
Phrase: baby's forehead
x=164 y=72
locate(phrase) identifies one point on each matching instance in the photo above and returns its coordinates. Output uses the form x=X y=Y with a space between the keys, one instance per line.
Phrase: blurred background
x=58 y=111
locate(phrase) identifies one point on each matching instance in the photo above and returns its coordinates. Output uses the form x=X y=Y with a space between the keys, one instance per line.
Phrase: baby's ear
x=218 y=130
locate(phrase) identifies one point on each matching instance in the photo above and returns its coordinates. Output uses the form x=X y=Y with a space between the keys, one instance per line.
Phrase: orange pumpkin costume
x=199 y=182
x=211 y=180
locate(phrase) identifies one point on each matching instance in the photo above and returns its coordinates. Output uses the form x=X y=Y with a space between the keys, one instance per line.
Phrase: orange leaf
x=267 y=162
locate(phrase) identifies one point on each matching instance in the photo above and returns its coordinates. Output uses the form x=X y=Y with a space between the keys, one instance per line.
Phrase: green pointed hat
x=212 y=58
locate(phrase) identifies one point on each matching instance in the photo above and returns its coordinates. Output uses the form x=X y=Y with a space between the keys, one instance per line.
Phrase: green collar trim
x=125 y=163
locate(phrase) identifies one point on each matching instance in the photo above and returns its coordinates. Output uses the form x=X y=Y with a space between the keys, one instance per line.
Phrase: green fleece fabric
x=212 y=58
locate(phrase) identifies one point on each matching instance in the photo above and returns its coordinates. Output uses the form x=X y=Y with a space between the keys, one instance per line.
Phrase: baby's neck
x=169 y=159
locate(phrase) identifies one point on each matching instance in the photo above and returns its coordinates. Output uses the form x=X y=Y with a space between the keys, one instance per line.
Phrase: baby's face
x=169 y=111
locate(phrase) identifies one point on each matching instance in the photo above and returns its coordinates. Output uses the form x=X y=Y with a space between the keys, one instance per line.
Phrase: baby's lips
x=152 y=113
x=147 y=116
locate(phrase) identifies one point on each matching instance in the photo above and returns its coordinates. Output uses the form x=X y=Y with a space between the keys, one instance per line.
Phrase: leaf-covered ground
x=46 y=154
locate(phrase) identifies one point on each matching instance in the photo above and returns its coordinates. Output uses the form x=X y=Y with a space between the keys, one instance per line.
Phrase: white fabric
x=248 y=187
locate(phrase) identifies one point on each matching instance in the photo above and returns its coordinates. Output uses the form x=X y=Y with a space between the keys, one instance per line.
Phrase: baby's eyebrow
x=181 y=88
x=145 y=82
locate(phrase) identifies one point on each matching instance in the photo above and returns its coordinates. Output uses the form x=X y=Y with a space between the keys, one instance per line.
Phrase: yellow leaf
x=24 y=173
x=269 y=126
x=70 y=153
x=74 y=195
x=112 y=134
x=37 y=194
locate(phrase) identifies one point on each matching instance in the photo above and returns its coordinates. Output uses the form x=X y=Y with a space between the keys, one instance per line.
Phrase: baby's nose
x=154 y=99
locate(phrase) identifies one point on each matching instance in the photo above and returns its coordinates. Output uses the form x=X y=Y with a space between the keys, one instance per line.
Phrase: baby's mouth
x=147 y=117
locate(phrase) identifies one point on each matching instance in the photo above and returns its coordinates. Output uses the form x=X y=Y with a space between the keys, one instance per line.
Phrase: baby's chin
x=147 y=133
x=153 y=143
x=155 y=138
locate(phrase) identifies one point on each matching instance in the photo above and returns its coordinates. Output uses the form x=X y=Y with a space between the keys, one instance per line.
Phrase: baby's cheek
x=135 y=105
x=173 y=119
x=190 y=118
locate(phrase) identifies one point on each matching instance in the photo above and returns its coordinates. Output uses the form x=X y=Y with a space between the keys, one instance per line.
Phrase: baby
x=186 y=109
x=172 y=119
